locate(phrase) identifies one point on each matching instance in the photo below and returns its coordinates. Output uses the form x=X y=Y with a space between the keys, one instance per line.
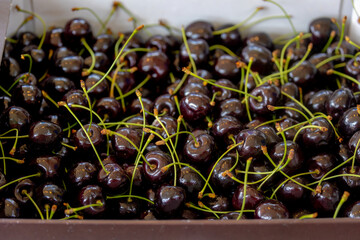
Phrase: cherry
x=116 y=178
x=82 y=174
x=320 y=29
x=295 y=163
x=253 y=140
x=129 y=210
x=259 y=38
x=231 y=39
x=108 y=107
x=345 y=48
x=271 y=209
x=317 y=101
x=9 y=69
x=124 y=150
x=11 y=208
x=102 y=62
x=343 y=152
x=351 y=182
x=89 y=195
x=125 y=80
x=8 y=49
x=103 y=43
x=286 y=123
x=226 y=126
x=349 y=122
x=135 y=41
x=219 y=178
x=57 y=87
x=319 y=57
x=101 y=90
x=231 y=107
x=138 y=175
x=199 y=49
x=201 y=73
x=219 y=203
x=55 y=38
x=304 y=74
x=353 y=142
x=76 y=97
x=190 y=181
x=271 y=137
x=27 y=185
x=290 y=113
x=232 y=216
x=157 y=160
x=70 y=66
x=225 y=67
x=252 y=199
x=26 y=39
x=261 y=58
x=192 y=87
x=316 y=138
x=16 y=118
x=353 y=211
x=169 y=201
x=156 y=64
x=165 y=103
x=28 y=96
x=201 y=151
x=298 y=51
x=269 y=94
x=222 y=93
x=195 y=107
x=75 y=29
x=44 y=134
x=5 y=103
x=291 y=89
x=200 y=30
x=62 y=52
x=49 y=166
x=51 y=194
x=352 y=67
x=135 y=106
x=83 y=142
x=39 y=59
x=327 y=199
x=169 y=123
x=160 y=43
x=291 y=193
x=341 y=100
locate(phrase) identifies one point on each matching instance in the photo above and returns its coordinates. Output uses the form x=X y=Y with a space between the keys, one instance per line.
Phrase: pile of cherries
x=208 y=124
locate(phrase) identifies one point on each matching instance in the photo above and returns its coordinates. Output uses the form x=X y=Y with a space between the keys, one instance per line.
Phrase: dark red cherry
x=49 y=165
x=129 y=210
x=101 y=90
x=225 y=127
x=82 y=174
x=287 y=123
x=201 y=153
x=232 y=216
x=9 y=69
x=26 y=185
x=51 y=194
x=135 y=106
x=62 y=52
x=199 y=49
x=169 y=201
x=8 y=49
x=156 y=64
x=271 y=137
x=109 y=107
x=269 y=95
x=94 y=132
x=349 y=122
x=320 y=29
x=104 y=43
x=296 y=162
x=200 y=30
x=92 y=194
x=231 y=39
x=45 y=135
x=160 y=43
x=353 y=142
x=192 y=87
x=157 y=160
x=124 y=150
x=252 y=140
x=138 y=180
x=345 y=48
x=125 y=80
x=27 y=38
x=75 y=29
x=261 y=58
x=317 y=101
x=135 y=42
x=28 y=97
x=11 y=208
x=259 y=38
x=220 y=179
x=115 y=180
x=291 y=193
x=315 y=138
x=57 y=87
x=350 y=182
x=290 y=113
x=39 y=59
x=252 y=199
x=2 y=179
x=70 y=66
x=327 y=199
x=165 y=103
x=169 y=123
x=102 y=62
x=304 y=74
x=319 y=57
x=190 y=181
x=231 y=107
x=26 y=78
x=75 y=97
x=195 y=107
x=291 y=89
x=341 y=100
x=201 y=73
x=225 y=67
x=55 y=38
x=222 y=93
x=219 y=203
x=16 y=117
x=353 y=211
x=271 y=209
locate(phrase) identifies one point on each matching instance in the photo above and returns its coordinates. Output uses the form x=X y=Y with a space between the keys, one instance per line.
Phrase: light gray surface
x=4 y=19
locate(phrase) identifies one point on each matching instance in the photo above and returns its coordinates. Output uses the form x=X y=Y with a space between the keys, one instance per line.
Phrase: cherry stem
x=178 y=123
x=139 y=96
x=236 y=26
x=176 y=100
x=64 y=104
x=40 y=19
x=332 y=58
x=4 y=90
x=331 y=38
x=148 y=77
x=343 y=199
x=248 y=162
x=299 y=103
x=82 y=84
x=112 y=124
x=73 y=210
x=269 y=122
x=122 y=58
x=93 y=58
x=26 y=20
x=274 y=108
x=263 y=20
x=201 y=193
x=4 y=160
x=19 y=161
x=105 y=23
x=191 y=205
x=246 y=88
x=323 y=129
x=117 y=57
x=19 y=179
x=332 y=71
x=306 y=216
x=23 y=56
x=179 y=85
x=196 y=144
x=52 y=211
x=33 y=202
x=341 y=35
x=290 y=179
x=69 y=146
x=45 y=95
x=130 y=196
x=188 y=49
x=225 y=49
x=351 y=42
x=47 y=207
x=117 y=44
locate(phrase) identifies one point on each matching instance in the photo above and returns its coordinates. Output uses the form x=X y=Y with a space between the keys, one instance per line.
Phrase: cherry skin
x=271 y=137
x=55 y=38
x=195 y=107
x=169 y=123
x=11 y=208
x=26 y=39
x=291 y=89
x=62 y=52
x=82 y=142
x=303 y=75
x=225 y=67
x=219 y=179
x=16 y=118
x=102 y=62
x=135 y=106
x=200 y=30
x=353 y=142
x=231 y=39
x=292 y=194
x=28 y=96
x=75 y=97
x=219 y=203
x=350 y=182
x=70 y=66
x=252 y=199
x=158 y=160
x=320 y=29
x=261 y=58
x=124 y=150
x=259 y=38
x=326 y=201
x=82 y=174
x=315 y=138
x=201 y=153
x=353 y=211
x=190 y=181
x=51 y=194
x=296 y=162
x=340 y=101
x=271 y=209
x=199 y=49
x=108 y=107
x=125 y=80
x=253 y=140
x=101 y=90
x=192 y=87
x=156 y=64
x=349 y=123
x=116 y=178
x=222 y=93
x=166 y=103
x=75 y=29
x=160 y=43
x=45 y=134
x=92 y=194
x=27 y=185
x=317 y=101
x=231 y=107
x=269 y=94
x=226 y=126
x=49 y=166
x=169 y=201
x=104 y=43
x=287 y=123
x=319 y=57
x=57 y=87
